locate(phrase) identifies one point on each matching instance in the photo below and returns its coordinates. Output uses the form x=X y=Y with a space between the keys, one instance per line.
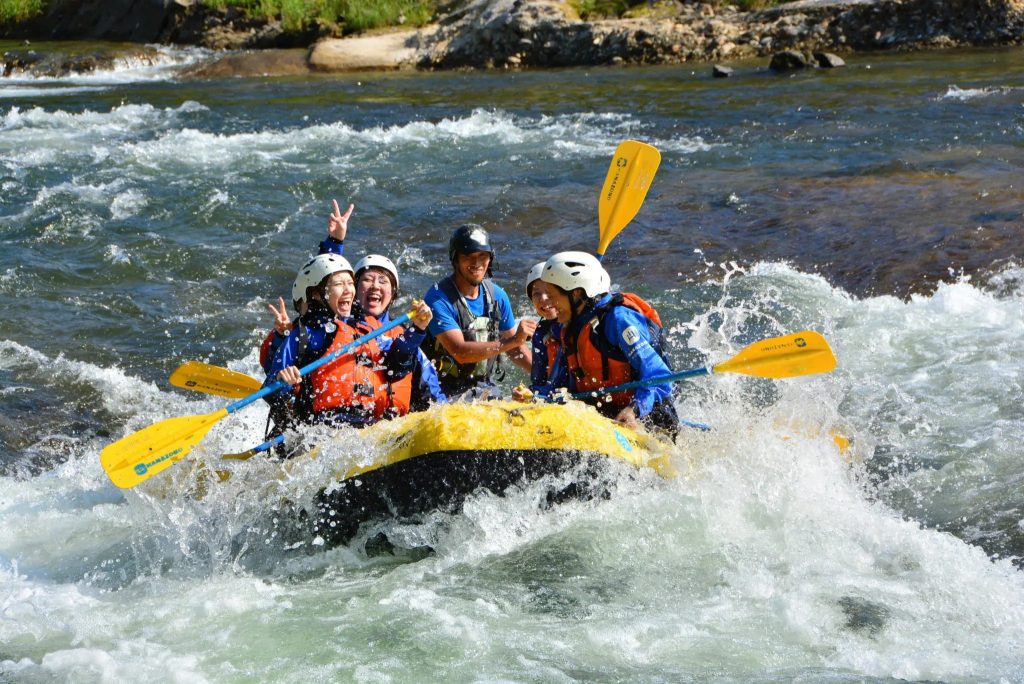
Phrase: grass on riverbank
x=19 y=10
x=352 y=15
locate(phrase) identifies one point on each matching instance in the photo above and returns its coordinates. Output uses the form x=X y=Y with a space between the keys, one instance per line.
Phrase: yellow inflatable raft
x=433 y=460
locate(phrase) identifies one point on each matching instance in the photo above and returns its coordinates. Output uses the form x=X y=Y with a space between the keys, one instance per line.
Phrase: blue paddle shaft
x=306 y=370
x=268 y=445
x=657 y=380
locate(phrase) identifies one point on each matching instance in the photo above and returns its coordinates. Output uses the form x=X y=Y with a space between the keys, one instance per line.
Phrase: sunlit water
x=147 y=220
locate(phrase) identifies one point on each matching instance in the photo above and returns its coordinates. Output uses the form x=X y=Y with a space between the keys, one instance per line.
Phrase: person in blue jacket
x=337 y=228
x=296 y=343
x=609 y=339
x=473 y=323
x=377 y=285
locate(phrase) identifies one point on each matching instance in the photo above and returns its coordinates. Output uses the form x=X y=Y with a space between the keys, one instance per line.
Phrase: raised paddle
x=629 y=177
x=801 y=353
x=139 y=456
x=202 y=377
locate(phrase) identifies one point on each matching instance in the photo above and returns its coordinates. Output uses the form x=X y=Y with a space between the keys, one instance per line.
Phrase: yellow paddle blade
x=629 y=177
x=202 y=377
x=802 y=353
x=137 y=457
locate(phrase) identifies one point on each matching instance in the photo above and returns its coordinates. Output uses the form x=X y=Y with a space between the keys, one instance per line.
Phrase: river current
x=146 y=219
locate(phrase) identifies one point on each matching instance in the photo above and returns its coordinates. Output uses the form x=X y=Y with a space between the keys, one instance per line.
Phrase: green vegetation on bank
x=19 y=10
x=351 y=15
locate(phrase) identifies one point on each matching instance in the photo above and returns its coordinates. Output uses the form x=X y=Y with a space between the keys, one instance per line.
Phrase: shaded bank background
x=513 y=34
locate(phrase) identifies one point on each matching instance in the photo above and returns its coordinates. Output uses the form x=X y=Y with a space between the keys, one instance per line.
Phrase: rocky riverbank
x=538 y=33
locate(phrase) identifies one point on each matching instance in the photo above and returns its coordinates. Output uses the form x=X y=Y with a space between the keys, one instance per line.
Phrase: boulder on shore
x=375 y=52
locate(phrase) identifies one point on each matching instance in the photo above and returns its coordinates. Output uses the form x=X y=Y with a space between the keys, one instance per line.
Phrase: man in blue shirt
x=473 y=322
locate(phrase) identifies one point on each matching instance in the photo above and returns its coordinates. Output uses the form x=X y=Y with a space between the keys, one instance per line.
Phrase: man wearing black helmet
x=473 y=322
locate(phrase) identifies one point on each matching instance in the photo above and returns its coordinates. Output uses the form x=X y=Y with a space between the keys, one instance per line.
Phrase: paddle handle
x=657 y=380
x=306 y=370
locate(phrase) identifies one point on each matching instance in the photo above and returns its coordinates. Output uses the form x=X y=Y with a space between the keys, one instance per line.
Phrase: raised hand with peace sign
x=337 y=224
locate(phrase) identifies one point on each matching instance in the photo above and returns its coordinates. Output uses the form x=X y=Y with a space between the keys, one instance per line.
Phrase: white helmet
x=569 y=270
x=381 y=262
x=313 y=273
x=534 y=274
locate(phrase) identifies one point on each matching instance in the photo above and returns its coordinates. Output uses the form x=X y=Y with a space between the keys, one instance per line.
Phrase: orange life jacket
x=355 y=379
x=594 y=363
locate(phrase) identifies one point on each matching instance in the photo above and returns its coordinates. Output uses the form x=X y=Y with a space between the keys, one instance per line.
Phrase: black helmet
x=468 y=239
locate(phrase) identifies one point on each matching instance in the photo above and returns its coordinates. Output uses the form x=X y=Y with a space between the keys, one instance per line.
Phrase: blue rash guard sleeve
x=559 y=377
x=539 y=368
x=276 y=340
x=332 y=246
x=627 y=330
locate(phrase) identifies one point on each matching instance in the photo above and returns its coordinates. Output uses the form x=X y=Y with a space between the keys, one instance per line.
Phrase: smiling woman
x=376 y=284
x=340 y=291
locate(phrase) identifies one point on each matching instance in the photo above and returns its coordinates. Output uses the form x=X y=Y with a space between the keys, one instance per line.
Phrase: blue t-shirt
x=446 y=316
